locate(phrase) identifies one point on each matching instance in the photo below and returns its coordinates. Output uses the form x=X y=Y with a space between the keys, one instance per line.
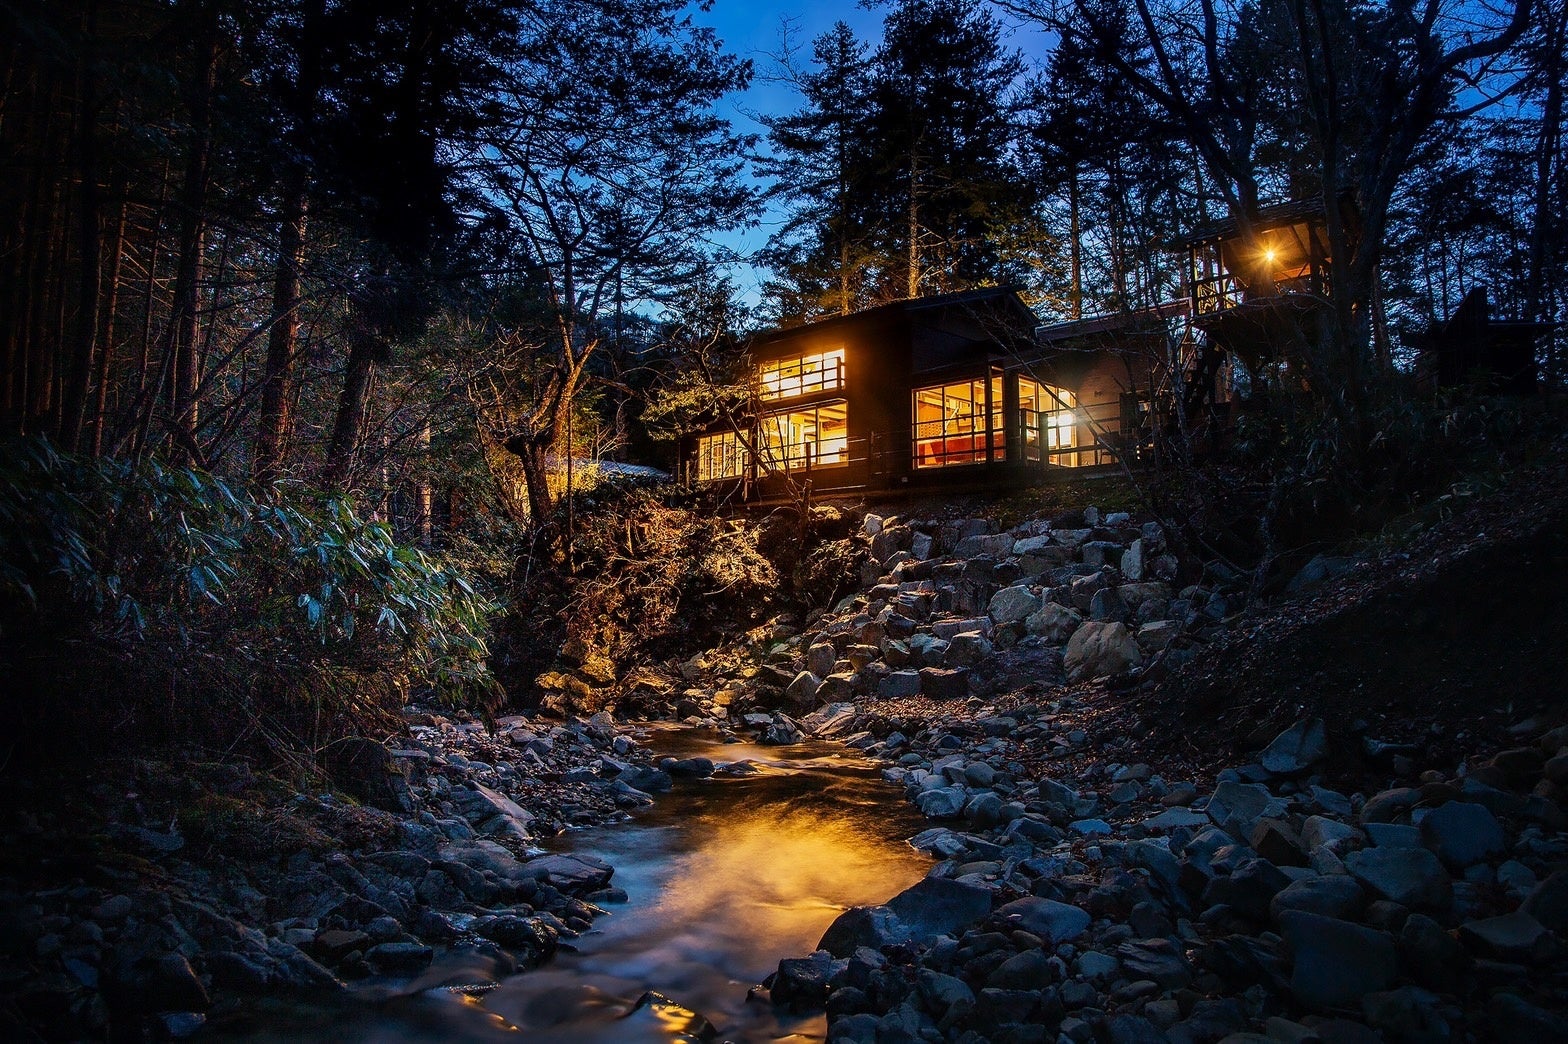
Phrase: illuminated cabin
x=1252 y=300
x=956 y=390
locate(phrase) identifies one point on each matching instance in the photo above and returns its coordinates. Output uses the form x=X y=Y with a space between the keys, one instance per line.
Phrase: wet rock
x=942 y=802
x=1050 y=920
x=942 y=993
x=931 y=907
x=399 y=958
x=1100 y=649
x=1336 y=963
x=801 y=983
x=1411 y=877
x=1296 y=749
x=571 y=873
x=647 y=779
x=1463 y=834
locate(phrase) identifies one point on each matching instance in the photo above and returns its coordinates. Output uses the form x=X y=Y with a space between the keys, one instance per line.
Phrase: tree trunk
x=1075 y=294
x=353 y=404
x=275 y=425
x=89 y=264
x=914 y=224
x=106 y=330
x=180 y=339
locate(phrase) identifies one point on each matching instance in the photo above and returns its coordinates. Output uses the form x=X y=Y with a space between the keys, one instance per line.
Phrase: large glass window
x=721 y=456
x=1049 y=417
x=802 y=375
x=814 y=437
x=959 y=423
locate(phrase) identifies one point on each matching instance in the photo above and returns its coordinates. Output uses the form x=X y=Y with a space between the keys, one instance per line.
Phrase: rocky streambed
x=1078 y=891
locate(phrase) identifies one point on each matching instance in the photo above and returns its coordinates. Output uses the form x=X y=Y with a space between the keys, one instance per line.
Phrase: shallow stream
x=724 y=877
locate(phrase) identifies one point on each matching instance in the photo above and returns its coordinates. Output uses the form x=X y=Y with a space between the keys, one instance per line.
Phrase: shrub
x=291 y=617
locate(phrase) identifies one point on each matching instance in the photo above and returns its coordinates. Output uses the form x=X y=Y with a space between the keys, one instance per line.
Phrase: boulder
x=1511 y=937
x=931 y=907
x=1411 y=877
x=820 y=659
x=1013 y=605
x=1432 y=956
x=1159 y=960
x=1132 y=561
x=1331 y=895
x=1238 y=806
x=573 y=874
x=899 y=685
x=944 y=683
x=1157 y=634
x=1108 y=605
x=1335 y=962
x=1052 y=921
x=1296 y=749
x=369 y=772
x=1055 y=623
x=1099 y=650
x=941 y=803
x=1548 y=902
x=967 y=650
x=1463 y=834
x=802 y=692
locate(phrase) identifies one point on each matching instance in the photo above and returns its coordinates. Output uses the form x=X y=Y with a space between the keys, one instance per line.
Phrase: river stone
x=492 y=812
x=966 y=650
x=820 y=659
x=943 y=992
x=1050 y=920
x=1332 y=895
x=1160 y=960
x=802 y=692
x=1296 y=749
x=1411 y=877
x=1336 y=963
x=801 y=983
x=1462 y=834
x=942 y=802
x=1434 y=957
x=1512 y=937
x=1238 y=806
x=571 y=873
x=1099 y=649
x=647 y=779
x=899 y=685
x=1012 y=605
x=944 y=683
x=1548 y=902
x=1321 y=830
x=1055 y=623
x=1511 y=1017
x=1389 y=805
x=931 y=907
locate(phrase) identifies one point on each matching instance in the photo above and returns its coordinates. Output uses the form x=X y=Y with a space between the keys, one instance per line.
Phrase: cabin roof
x=1057 y=333
x=1005 y=295
x=1274 y=216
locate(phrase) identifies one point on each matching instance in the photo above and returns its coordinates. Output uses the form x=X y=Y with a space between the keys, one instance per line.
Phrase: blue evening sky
x=755 y=29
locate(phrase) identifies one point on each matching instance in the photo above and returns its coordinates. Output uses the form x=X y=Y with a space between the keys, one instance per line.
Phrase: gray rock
x=1548 y=903
x=1463 y=834
x=899 y=685
x=1296 y=749
x=1238 y=806
x=1055 y=623
x=1432 y=956
x=1158 y=634
x=820 y=659
x=942 y=992
x=1100 y=649
x=942 y=803
x=801 y=983
x=1394 y=835
x=1320 y=830
x=967 y=650
x=1084 y=589
x=647 y=779
x=1336 y=963
x=1159 y=960
x=1332 y=895
x=1013 y=605
x=1132 y=561
x=1108 y=605
x=1512 y=1018
x=1050 y=920
x=944 y=683
x=571 y=873
x=1411 y=877
x=802 y=692
x=399 y=957
x=1512 y=937
x=934 y=906
x=1389 y=805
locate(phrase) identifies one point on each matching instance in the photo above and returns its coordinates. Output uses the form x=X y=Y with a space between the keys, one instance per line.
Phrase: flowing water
x=724 y=877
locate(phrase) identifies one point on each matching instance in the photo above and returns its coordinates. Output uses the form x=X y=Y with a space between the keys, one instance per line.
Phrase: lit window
x=721 y=456
x=802 y=375
x=809 y=438
x=954 y=424
x=1050 y=416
